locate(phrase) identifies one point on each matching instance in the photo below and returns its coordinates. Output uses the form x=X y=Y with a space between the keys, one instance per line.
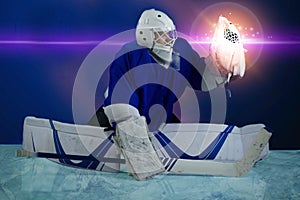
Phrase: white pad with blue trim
x=183 y=148
x=141 y=158
x=211 y=149
x=49 y=136
x=205 y=141
x=133 y=140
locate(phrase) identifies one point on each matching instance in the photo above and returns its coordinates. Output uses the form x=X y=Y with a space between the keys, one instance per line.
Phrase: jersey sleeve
x=192 y=65
x=120 y=88
x=199 y=71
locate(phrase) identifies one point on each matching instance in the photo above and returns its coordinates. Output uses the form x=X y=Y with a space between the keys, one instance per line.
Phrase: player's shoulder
x=185 y=49
x=130 y=48
x=181 y=43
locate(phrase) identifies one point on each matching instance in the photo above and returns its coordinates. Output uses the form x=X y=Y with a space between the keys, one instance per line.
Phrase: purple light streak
x=34 y=42
x=261 y=42
x=49 y=42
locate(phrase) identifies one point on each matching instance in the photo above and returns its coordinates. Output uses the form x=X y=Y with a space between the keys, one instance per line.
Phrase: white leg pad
x=136 y=147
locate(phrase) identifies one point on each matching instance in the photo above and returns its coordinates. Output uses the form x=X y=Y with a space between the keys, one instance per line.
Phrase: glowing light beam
x=34 y=42
x=261 y=42
x=31 y=42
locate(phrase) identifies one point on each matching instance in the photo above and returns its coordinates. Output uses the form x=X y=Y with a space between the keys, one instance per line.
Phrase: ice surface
x=276 y=177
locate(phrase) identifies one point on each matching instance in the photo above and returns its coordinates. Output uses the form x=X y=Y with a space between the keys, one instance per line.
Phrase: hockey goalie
x=136 y=119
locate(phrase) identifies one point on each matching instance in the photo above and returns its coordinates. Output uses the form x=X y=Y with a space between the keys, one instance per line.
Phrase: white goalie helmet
x=156 y=31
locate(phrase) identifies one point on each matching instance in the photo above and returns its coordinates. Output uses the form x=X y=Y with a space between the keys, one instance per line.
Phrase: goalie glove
x=226 y=50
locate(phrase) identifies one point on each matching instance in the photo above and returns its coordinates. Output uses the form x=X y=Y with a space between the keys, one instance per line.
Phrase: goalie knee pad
x=117 y=113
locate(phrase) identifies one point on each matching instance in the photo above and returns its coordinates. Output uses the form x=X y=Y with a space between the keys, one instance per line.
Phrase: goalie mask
x=156 y=31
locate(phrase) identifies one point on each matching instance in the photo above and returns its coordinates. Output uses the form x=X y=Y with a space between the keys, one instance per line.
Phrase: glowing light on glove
x=244 y=20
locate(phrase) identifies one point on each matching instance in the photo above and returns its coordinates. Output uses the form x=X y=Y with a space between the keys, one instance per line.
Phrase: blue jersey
x=135 y=78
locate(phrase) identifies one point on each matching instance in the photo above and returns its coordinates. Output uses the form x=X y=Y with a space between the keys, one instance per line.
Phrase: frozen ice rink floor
x=276 y=177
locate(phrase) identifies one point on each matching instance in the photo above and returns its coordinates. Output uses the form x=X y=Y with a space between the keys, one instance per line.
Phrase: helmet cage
x=165 y=38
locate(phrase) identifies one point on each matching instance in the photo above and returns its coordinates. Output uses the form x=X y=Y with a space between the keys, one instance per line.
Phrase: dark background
x=38 y=79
